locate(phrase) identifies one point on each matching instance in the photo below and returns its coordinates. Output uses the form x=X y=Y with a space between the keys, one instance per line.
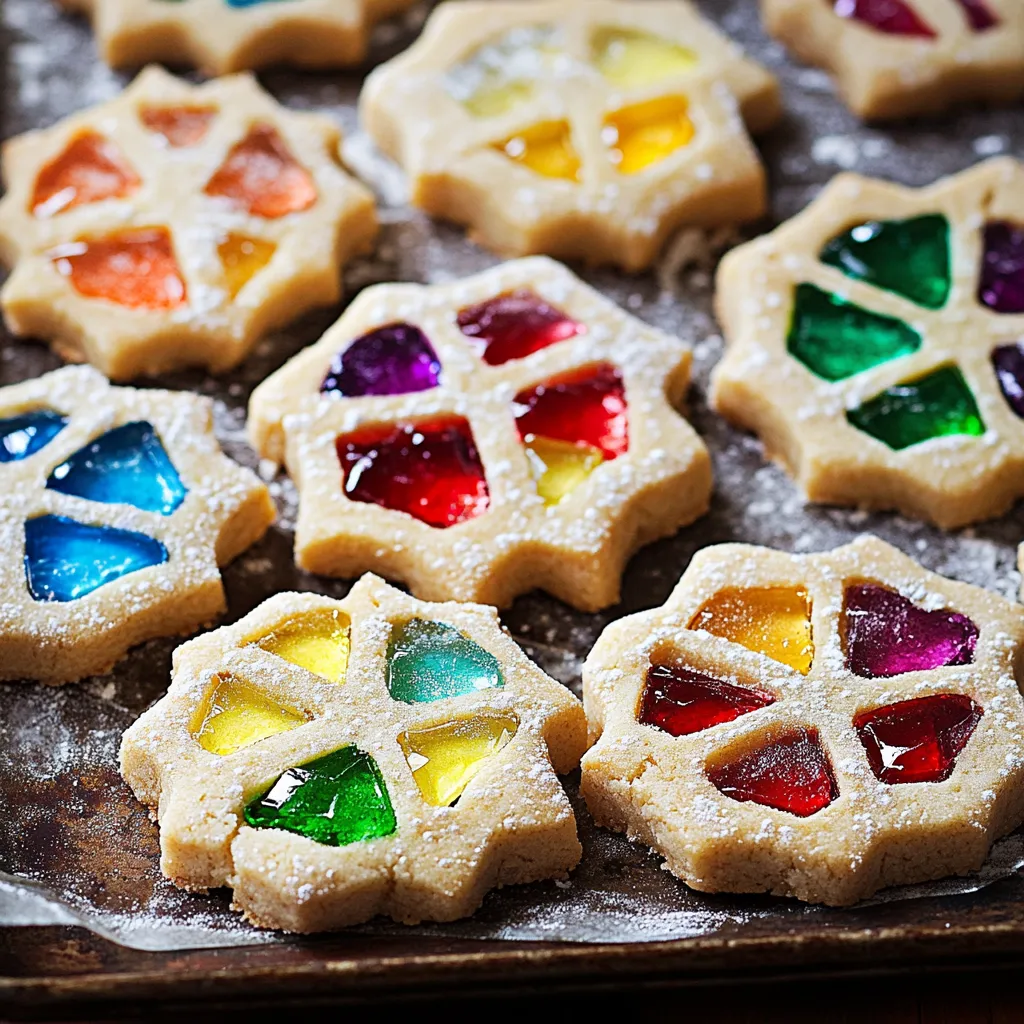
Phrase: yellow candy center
x=444 y=758
x=319 y=643
x=546 y=149
x=238 y=715
x=631 y=58
x=242 y=259
x=646 y=133
x=559 y=467
x=775 y=621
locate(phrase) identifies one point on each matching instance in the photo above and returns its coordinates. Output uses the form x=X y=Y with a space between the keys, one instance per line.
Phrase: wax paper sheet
x=74 y=845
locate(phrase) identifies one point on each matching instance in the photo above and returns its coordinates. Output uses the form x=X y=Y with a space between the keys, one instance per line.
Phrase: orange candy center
x=180 y=126
x=261 y=175
x=134 y=268
x=90 y=169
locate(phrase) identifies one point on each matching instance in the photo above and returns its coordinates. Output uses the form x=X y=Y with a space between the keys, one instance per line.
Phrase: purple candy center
x=392 y=360
x=1009 y=363
x=1002 y=268
x=887 y=634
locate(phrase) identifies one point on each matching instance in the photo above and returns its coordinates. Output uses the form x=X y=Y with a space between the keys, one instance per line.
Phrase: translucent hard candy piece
x=894 y=17
x=938 y=405
x=319 y=642
x=917 y=740
x=646 y=133
x=546 y=149
x=250 y=3
x=242 y=259
x=559 y=467
x=775 y=621
x=1001 y=282
x=29 y=432
x=237 y=715
x=125 y=466
x=907 y=257
x=260 y=175
x=92 y=168
x=886 y=634
x=393 y=360
x=978 y=15
x=430 y=661
x=836 y=339
x=135 y=268
x=335 y=800
x=586 y=407
x=503 y=73
x=444 y=758
x=791 y=773
x=180 y=127
x=431 y=471
x=681 y=701
x=514 y=325
x=631 y=58
x=1008 y=361
x=66 y=559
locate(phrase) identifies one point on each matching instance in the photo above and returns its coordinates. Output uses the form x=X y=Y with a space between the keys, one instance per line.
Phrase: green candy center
x=337 y=799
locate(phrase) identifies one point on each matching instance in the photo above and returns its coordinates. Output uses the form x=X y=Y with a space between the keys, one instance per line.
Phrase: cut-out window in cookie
x=587 y=130
x=899 y=58
x=474 y=439
x=918 y=740
x=439 y=752
x=319 y=643
x=444 y=758
x=117 y=507
x=200 y=216
x=695 y=726
x=879 y=352
x=222 y=36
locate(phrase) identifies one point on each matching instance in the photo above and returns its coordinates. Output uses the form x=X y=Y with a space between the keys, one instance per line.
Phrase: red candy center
x=894 y=17
x=790 y=774
x=681 y=701
x=918 y=740
x=585 y=407
x=92 y=168
x=979 y=17
x=514 y=325
x=431 y=471
x=261 y=175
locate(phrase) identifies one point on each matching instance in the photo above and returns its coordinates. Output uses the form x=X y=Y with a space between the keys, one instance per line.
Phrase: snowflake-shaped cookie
x=116 y=509
x=897 y=58
x=333 y=760
x=478 y=439
x=817 y=726
x=221 y=36
x=175 y=225
x=576 y=128
x=876 y=343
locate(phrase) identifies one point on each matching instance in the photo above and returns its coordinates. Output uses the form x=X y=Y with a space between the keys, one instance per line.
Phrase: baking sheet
x=75 y=847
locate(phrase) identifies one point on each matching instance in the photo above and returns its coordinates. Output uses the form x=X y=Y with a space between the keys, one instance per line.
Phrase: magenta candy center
x=887 y=634
x=393 y=360
x=1001 y=286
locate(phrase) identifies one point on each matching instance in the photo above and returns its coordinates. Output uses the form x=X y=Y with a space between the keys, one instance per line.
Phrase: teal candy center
x=335 y=800
x=836 y=339
x=907 y=257
x=938 y=405
x=430 y=661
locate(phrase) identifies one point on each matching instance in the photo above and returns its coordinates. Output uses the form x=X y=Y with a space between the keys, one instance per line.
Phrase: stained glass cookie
x=481 y=438
x=817 y=726
x=583 y=129
x=175 y=225
x=898 y=58
x=874 y=342
x=333 y=760
x=116 y=509
x=222 y=36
